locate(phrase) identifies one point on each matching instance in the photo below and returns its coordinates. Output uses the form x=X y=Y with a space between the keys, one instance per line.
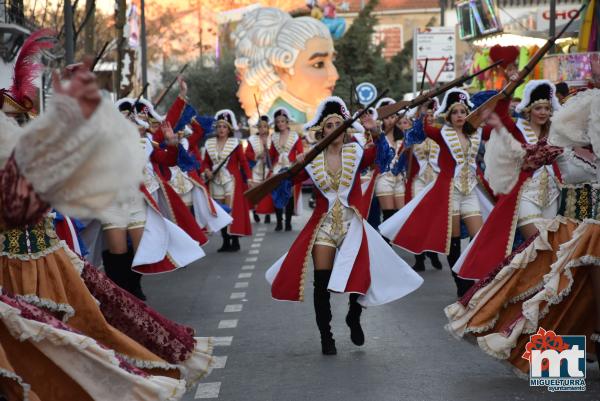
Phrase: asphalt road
x=270 y=351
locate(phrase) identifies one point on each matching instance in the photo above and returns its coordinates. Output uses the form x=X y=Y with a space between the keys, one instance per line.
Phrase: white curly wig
x=268 y=38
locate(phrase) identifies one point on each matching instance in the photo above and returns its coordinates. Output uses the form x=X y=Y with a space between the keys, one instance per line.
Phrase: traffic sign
x=436 y=44
x=366 y=93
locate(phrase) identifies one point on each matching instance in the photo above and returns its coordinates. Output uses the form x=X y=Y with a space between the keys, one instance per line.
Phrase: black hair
x=562 y=88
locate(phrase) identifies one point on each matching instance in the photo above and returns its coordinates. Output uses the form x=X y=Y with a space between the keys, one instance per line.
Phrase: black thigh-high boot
x=115 y=267
x=256 y=217
x=279 y=216
x=134 y=279
x=387 y=213
x=226 y=247
x=323 y=311
x=462 y=285
x=419 y=265
x=268 y=219
x=289 y=211
x=435 y=262
x=353 y=320
x=235 y=243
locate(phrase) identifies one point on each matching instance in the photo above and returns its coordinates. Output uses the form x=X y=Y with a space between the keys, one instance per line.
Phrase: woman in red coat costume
x=526 y=201
x=257 y=153
x=453 y=196
x=349 y=255
x=227 y=185
x=285 y=146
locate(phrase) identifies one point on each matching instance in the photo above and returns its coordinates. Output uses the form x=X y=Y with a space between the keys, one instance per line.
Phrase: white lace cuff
x=503 y=160
x=79 y=166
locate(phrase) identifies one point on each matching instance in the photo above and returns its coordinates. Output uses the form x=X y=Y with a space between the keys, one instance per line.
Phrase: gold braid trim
x=449 y=229
x=313 y=238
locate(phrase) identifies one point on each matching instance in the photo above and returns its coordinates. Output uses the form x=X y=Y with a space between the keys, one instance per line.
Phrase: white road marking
x=262 y=228
x=253 y=252
x=258 y=239
x=241 y=284
x=260 y=234
x=237 y=295
x=233 y=308
x=256 y=245
x=244 y=275
x=248 y=267
x=222 y=341
x=219 y=362
x=208 y=390
x=228 y=324
x=251 y=259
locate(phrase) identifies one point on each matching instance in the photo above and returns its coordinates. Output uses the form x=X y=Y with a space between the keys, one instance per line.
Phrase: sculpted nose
x=332 y=73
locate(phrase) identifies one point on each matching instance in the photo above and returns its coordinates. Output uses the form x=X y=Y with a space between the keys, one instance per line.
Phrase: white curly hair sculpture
x=283 y=62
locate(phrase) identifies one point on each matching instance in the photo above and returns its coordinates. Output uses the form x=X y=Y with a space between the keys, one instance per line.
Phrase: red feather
x=27 y=66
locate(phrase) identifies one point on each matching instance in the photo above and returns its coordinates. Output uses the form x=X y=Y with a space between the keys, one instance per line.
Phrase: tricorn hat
x=228 y=116
x=537 y=92
x=330 y=107
x=451 y=98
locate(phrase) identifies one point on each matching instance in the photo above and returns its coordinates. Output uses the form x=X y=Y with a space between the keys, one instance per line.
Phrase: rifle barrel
x=388 y=110
x=168 y=88
x=254 y=195
x=99 y=56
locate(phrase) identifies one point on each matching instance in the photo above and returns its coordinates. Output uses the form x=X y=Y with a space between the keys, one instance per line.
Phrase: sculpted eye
x=319 y=64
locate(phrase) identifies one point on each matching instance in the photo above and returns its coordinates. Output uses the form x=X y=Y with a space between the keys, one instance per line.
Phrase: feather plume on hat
x=27 y=68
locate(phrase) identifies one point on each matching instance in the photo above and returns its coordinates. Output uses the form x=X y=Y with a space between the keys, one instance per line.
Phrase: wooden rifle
x=162 y=95
x=477 y=116
x=254 y=195
x=220 y=166
x=390 y=109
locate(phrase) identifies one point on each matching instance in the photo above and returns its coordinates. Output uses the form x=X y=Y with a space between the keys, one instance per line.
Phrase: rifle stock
x=388 y=110
x=477 y=116
x=474 y=119
x=255 y=194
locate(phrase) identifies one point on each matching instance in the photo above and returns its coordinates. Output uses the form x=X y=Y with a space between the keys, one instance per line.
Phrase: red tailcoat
x=237 y=165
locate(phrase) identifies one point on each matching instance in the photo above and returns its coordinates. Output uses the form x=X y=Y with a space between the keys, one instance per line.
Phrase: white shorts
x=221 y=191
x=389 y=185
x=334 y=228
x=465 y=205
x=418 y=186
x=529 y=212
x=187 y=198
x=129 y=215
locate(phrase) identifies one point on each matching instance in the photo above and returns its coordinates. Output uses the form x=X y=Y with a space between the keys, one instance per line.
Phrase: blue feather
x=415 y=135
x=283 y=193
x=223 y=206
x=385 y=154
x=189 y=113
x=186 y=161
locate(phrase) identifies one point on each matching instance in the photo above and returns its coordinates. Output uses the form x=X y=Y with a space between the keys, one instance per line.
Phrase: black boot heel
x=353 y=321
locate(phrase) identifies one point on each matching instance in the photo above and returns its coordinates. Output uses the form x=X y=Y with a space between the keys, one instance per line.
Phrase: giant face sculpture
x=284 y=62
